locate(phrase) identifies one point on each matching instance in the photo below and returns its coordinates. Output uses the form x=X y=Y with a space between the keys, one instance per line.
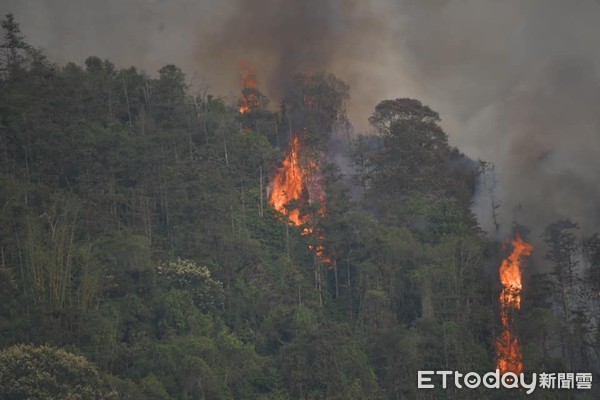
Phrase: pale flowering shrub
x=187 y=275
x=44 y=372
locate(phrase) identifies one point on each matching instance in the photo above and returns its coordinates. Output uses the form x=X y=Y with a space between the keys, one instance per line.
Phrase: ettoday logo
x=509 y=380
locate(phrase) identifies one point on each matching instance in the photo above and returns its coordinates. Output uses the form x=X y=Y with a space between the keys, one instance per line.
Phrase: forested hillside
x=142 y=258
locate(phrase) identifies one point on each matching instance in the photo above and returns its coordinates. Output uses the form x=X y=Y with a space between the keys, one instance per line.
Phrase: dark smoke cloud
x=283 y=37
x=516 y=82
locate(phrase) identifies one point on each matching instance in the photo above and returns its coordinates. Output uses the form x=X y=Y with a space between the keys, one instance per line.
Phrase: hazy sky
x=516 y=82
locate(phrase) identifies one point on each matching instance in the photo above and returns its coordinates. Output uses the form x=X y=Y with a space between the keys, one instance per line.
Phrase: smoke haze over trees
x=516 y=81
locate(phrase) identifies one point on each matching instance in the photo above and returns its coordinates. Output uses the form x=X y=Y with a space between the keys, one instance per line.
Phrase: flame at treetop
x=297 y=184
x=250 y=99
x=508 y=348
x=510 y=273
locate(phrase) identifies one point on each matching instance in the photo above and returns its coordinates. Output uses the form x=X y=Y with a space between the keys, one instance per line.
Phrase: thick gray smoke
x=282 y=37
x=516 y=82
x=519 y=84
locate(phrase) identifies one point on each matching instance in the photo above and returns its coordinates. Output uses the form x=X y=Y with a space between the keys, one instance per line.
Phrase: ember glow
x=296 y=185
x=250 y=99
x=508 y=348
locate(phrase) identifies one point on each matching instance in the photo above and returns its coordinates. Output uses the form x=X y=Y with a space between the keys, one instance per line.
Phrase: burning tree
x=508 y=349
x=249 y=100
x=252 y=106
x=315 y=107
x=289 y=187
x=297 y=187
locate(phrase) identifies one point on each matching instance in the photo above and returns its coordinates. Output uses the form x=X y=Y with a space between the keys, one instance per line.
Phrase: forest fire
x=508 y=349
x=289 y=187
x=250 y=100
x=296 y=185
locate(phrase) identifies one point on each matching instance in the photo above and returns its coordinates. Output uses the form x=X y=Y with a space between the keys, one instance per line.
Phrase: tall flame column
x=508 y=348
x=296 y=184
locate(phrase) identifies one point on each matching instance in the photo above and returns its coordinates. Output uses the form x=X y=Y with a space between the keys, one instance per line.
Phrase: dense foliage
x=135 y=232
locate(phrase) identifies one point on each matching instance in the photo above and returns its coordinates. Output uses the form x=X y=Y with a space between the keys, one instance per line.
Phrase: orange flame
x=289 y=187
x=250 y=99
x=508 y=348
x=296 y=184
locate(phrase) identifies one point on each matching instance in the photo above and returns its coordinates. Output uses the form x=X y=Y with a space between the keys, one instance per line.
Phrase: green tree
x=40 y=373
x=412 y=156
x=316 y=104
x=14 y=48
